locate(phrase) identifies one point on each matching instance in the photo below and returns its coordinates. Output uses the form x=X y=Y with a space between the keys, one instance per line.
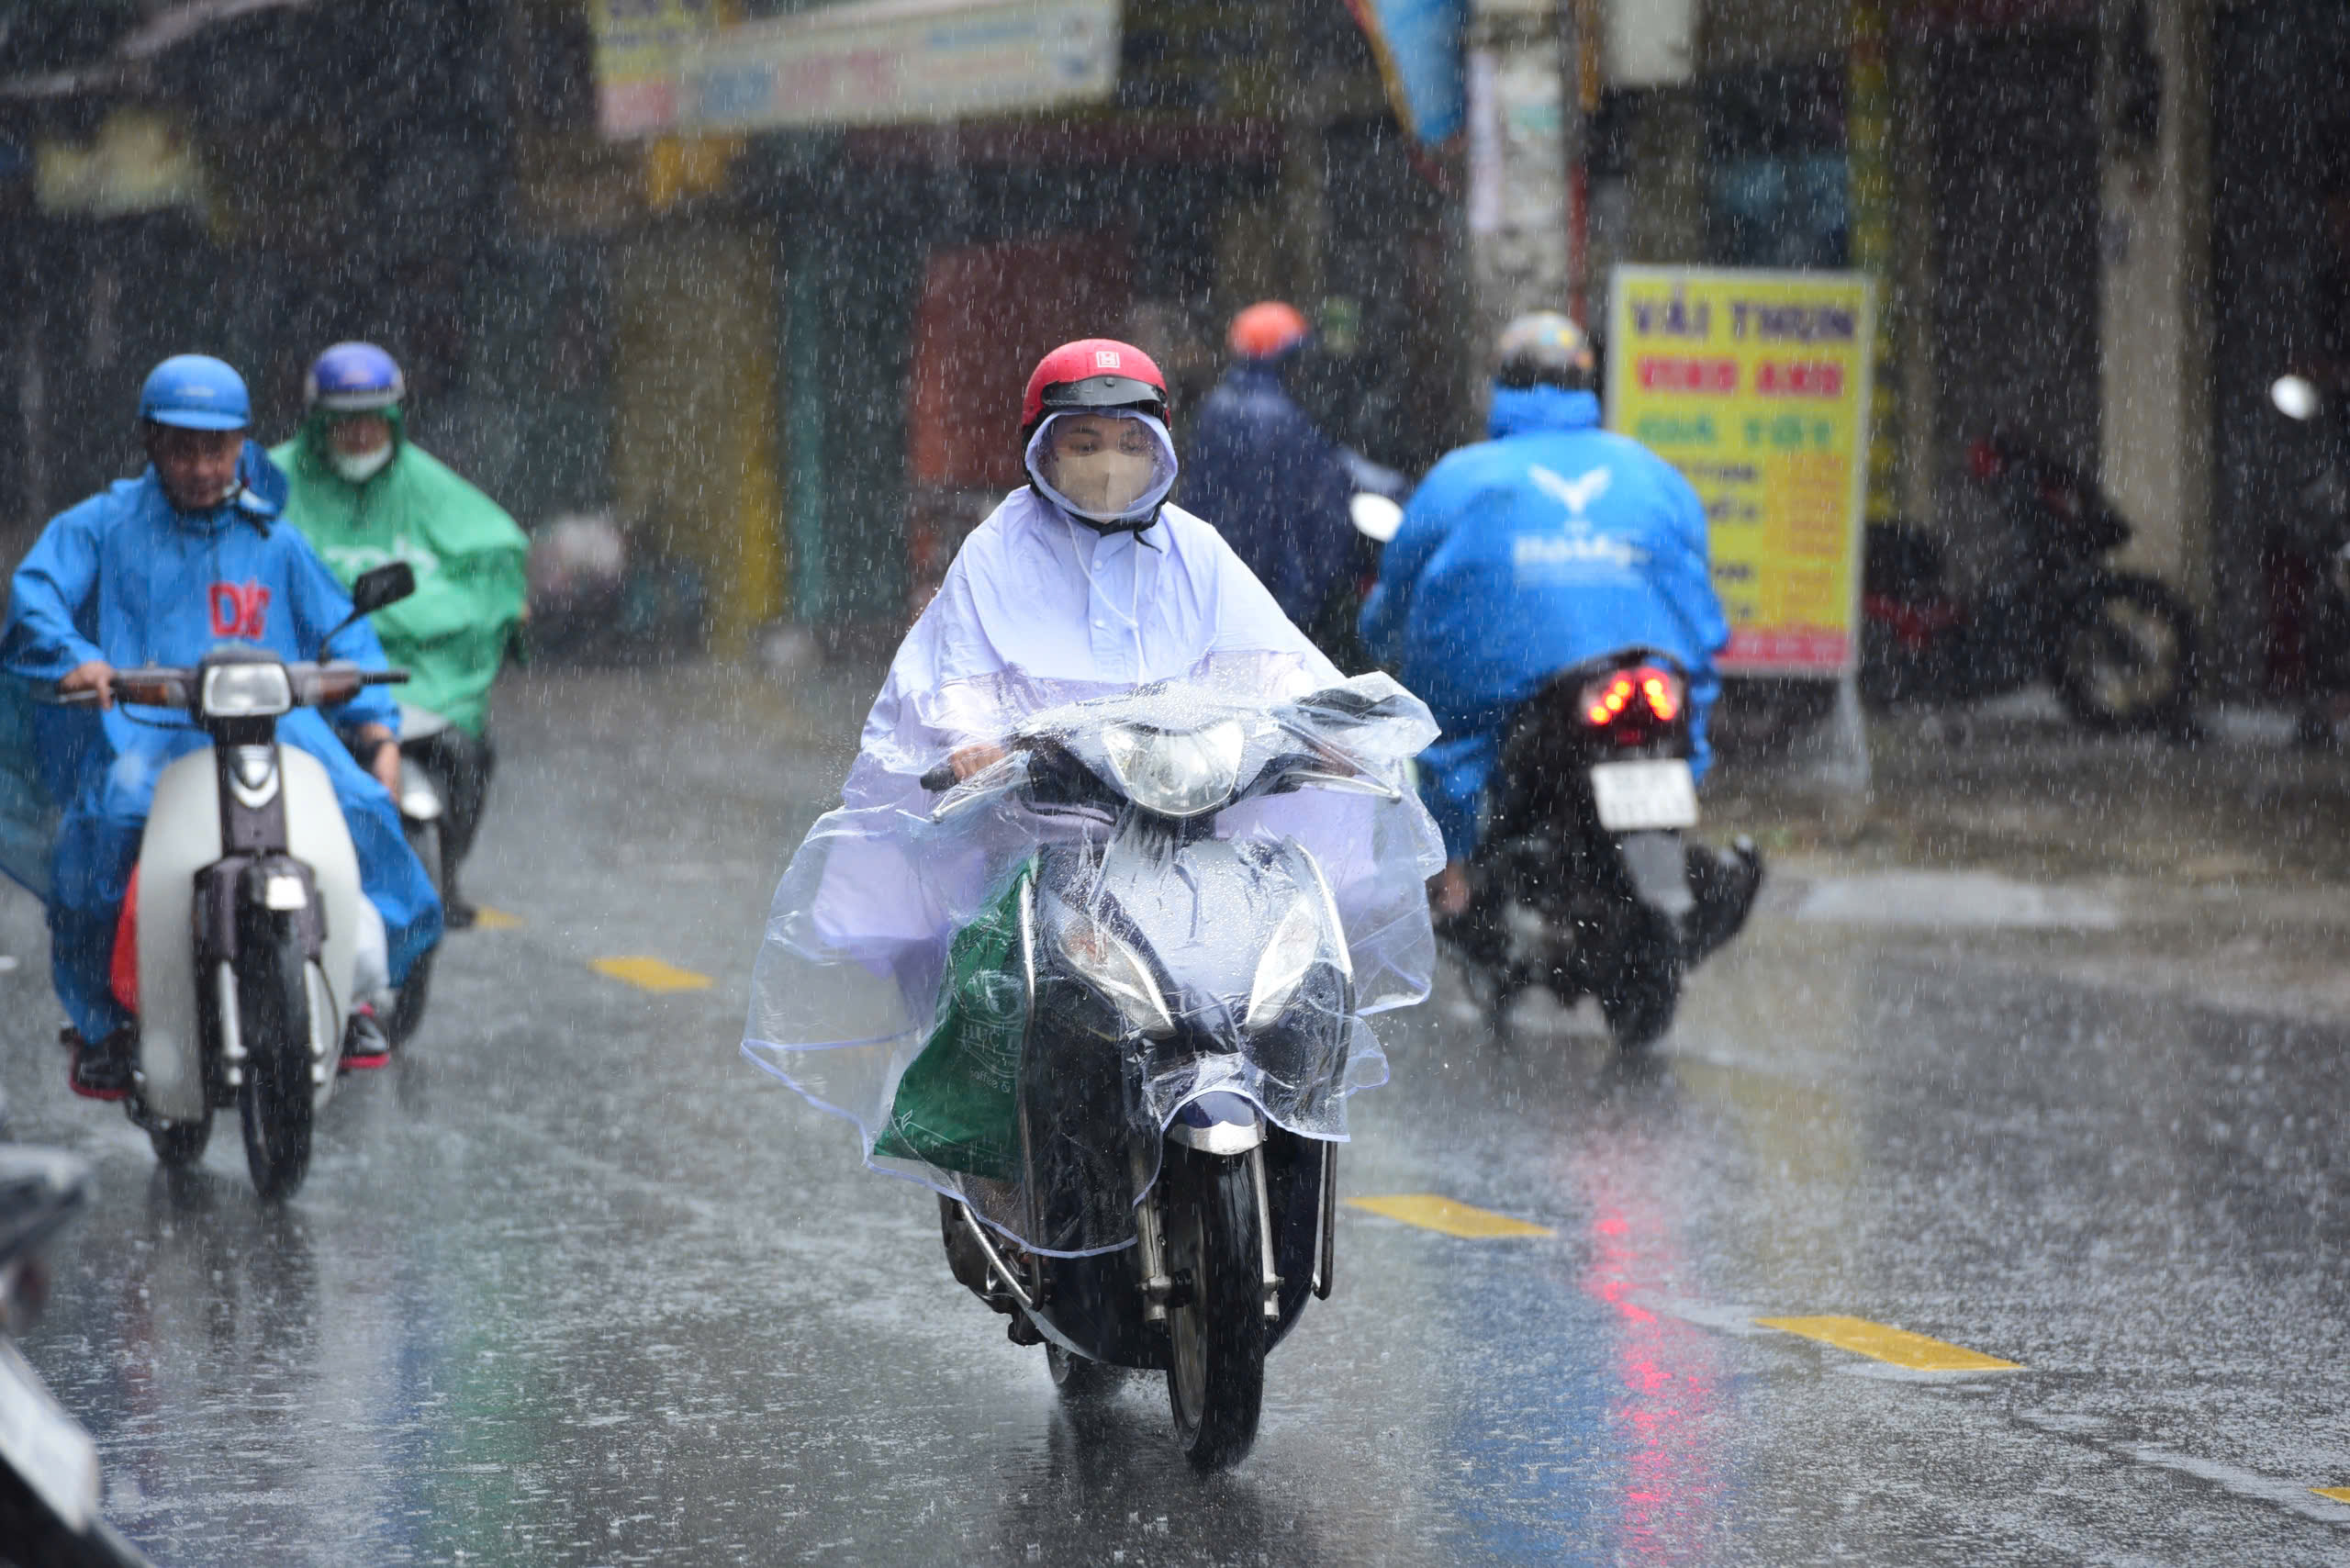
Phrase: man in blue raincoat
x=1554 y=543
x=1276 y=485
x=157 y=570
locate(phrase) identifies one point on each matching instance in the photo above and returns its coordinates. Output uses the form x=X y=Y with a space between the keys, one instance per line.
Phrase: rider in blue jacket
x=157 y=570
x=1554 y=543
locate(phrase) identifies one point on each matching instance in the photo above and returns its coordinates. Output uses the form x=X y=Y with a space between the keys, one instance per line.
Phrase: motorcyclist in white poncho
x=1084 y=584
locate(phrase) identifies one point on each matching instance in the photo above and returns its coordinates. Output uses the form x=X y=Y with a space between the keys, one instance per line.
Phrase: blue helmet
x=196 y=392
x=354 y=378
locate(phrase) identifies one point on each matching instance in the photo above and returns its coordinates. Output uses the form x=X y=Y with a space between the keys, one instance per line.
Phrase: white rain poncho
x=1038 y=613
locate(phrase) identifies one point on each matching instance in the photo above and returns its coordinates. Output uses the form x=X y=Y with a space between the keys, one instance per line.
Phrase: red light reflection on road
x=1669 y=1400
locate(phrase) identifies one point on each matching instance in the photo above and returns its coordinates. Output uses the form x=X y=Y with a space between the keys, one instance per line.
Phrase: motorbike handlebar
x=315 y=685
x=939 y=779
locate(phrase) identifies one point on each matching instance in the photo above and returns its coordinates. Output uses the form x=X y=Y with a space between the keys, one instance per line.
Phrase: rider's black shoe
x=102 y=1071
x=456 y=914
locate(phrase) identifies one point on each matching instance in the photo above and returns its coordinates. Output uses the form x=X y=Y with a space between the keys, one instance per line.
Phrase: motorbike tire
x=182 y=1144
x=1215 y=1325
x=2118 y=623
x=274 y=1005
x=1080 y=1379
x=1640 y=998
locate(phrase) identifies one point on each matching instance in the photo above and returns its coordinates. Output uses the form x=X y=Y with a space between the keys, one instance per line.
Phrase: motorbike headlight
x=1177 y=774
x=247 y=691
x=1296 y=943
x=1113 y=967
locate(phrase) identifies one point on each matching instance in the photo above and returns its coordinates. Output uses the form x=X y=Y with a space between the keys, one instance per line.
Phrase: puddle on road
x=1970 y=899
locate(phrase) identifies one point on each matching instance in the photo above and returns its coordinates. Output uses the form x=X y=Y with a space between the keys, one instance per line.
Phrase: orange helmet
x=1267 y=329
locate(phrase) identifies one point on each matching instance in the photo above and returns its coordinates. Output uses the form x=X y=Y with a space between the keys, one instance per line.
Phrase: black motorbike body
x=2118 y=646
x=1332 y=627
x=1232 y=1212
x=1079 y=1099
x=1561 y=899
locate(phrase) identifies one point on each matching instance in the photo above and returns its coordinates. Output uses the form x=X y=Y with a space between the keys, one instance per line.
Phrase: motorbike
x=1376 y=510
x=49 y=1465
x=2118 y=646
x=424 y=805
x=1584 y=882
x=2318 y=527
x=1176 y=1013
x=249 y=906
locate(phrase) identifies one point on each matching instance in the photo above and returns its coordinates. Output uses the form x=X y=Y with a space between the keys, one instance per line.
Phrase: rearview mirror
x=386 y=583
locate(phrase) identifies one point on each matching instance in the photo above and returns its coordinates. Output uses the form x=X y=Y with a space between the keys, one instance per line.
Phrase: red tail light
x=1642 y=695
x=1983 y=459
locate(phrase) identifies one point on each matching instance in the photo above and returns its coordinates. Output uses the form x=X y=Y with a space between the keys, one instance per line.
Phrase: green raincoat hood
x=468 y=554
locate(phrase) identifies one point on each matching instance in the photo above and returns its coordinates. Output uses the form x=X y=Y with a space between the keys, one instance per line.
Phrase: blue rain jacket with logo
x=1554 y=542
x=1276 y=486
x=125 y=578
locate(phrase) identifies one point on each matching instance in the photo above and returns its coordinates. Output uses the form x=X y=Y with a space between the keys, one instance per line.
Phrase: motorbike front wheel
x=1215 y=1320
x=273 y=1010
x=2128 y=659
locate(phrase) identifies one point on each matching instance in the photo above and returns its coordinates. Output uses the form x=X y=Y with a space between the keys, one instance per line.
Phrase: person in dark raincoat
x=1276 y=486
x=157 y=570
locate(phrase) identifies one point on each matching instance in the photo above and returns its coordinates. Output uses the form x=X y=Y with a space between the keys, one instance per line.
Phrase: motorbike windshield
x=28 y=811
x=1012 y=987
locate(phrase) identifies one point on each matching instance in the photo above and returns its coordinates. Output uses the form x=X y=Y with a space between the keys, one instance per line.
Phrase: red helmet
x=1093 y=373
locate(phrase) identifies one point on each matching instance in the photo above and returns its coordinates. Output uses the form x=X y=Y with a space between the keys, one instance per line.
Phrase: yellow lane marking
x=2339 y=1493
x=1432 y=1213
x=488 y=919
x=650 y=974
x=1895 y=1345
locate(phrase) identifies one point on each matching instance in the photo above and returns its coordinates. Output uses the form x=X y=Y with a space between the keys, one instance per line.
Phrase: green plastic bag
x=957 y=1105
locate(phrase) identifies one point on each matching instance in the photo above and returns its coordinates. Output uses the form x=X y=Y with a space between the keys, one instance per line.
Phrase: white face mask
x=1117 y=467
x=358 y=470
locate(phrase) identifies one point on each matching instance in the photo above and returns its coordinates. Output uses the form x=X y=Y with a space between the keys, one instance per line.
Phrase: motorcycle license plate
x=49 y=1452
x=1633 y=797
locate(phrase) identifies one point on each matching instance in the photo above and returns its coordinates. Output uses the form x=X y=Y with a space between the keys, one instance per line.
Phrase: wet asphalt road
x=573 y=1283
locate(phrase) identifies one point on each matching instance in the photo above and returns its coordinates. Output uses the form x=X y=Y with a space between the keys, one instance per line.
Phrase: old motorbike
x=248 y=917
x=1583 y=881
x=2118 y=646
x=1376 y=510
x=49 y=1465
x=2315 y=530
x=1169 y=1003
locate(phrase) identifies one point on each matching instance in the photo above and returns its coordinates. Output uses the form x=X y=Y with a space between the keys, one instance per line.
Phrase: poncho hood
x=1519 y=409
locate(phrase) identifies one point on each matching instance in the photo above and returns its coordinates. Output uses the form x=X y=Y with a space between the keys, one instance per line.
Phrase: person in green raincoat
x=364 y=494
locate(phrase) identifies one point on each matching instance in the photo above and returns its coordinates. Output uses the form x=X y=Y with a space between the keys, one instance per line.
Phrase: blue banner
x=1418 y=44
